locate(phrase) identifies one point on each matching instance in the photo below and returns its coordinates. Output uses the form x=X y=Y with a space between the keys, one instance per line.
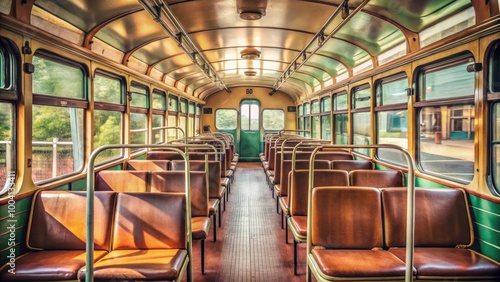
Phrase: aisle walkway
x=251 y=244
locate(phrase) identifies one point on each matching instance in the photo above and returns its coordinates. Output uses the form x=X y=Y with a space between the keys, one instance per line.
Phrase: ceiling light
x=250 y=73
x=250 y=53
x=250 y=15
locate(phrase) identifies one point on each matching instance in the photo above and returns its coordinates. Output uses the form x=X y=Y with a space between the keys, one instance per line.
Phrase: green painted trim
x=20 y=220
x=65 y=187
x=487 y=250
x=20 y=205
x=19 y=248
x=79 y=185
x=20 y=236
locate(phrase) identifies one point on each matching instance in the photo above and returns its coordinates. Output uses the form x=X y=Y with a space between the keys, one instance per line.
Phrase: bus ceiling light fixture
x=250 y=53
x=321 y=38
x=162 y=14
x=251 y=10
x=250 y=73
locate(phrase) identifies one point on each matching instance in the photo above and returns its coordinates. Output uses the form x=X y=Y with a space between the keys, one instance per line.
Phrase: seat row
x=137 y=236
x=358 y=234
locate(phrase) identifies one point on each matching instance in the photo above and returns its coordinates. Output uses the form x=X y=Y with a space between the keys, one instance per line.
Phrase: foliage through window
x=273 y=119
x=226 y=119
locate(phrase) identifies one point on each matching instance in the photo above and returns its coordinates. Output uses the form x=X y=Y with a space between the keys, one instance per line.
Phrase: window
x=315 y=120
x=139 y=115
x=8 y=97
x=59 y=100
x=191 y=112
x=307 y=119
x=361 y=123
x=449 y=26
x=447 y=121
x=226 y=119
x=340 y=118
x=493 y=74
x=249 y=116
x=197 y=120
x=108 y=114
x=273 y=119
x=6 y=146
x=300 y=114
x=392 y=117
x=158 y=117
x=183 y=110
x=173 y=108
x=326 y=122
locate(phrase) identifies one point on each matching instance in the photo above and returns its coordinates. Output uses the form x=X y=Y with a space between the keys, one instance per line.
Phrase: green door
x=249 y=130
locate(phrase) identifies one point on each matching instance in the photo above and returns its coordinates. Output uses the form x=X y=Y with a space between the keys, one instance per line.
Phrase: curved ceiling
x=207 y=58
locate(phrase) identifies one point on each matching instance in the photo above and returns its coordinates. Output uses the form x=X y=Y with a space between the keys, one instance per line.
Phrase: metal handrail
x=410 y=199
x=89 y=245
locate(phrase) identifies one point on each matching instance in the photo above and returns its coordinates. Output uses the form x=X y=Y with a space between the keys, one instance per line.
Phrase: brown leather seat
x=174 y=181
x=346 y=243
x=443 y=235
x=299 y=184
x=121 y=180
x=376 y=178
x=149 y=165
x=215 y=189
x=149 y=243
x=349 y=165
x=57 y=235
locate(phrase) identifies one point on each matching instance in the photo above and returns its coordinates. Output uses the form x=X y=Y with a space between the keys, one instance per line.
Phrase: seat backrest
x=58 y=220
x=121 y=180
x=174 y=181
x=442 y=217
x=286 y=167
x=349 y=165
x=150 y=221
x=214 y=187
x=163 y=155
x=376 y=178
x=299 y=184
x=272 y=156
x=149 y=165
x=346 y=218
x=325 y=155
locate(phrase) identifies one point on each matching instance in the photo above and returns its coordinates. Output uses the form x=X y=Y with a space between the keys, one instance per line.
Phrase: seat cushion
x=358 y=263
x=450 y=263
x=224 y=181
x=49 y=265
x=213 y=206
x=298 y=225
x=155 y=264
x=283 y=201
x=200 y=227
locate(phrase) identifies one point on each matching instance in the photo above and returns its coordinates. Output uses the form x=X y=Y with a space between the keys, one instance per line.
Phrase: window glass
x=273 y=119
x=172 y=134
x=392 y=128
x=107 y=89
x=139 y=96
x=307 y=109
x=450 y=82
x=326 y=130
x=315 y=107
x=138 y=129
x=3 y=74
x=198 y=109
x=158 y=121
x=361 y=98
x=446 y=141
x=226 y=119
x=183 y=106
x=107 y=131
x=340 y=102
x=361 y=131
x=496 y=146
x=7 y=148
x=173 y=104
x=307 y=126
x=341 y=127
x=58 y=79
x=182 y=124
x=392 y=92
x=190 y=129
x=57 y=147
x=316 y=127
x=326 y=105
x=494 y=69
x=249 y=117
x=159 y=100
x=191 y=108
x=300 y=110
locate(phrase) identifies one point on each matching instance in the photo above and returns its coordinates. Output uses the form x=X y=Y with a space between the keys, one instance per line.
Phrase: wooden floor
x=251 y=244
